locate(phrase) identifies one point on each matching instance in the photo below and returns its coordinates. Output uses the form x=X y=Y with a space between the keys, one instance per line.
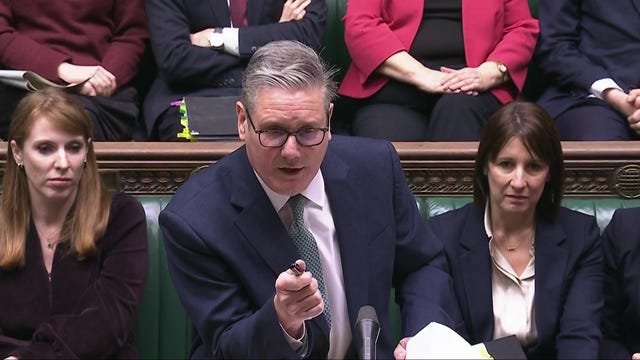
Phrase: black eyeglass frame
x=288 y=133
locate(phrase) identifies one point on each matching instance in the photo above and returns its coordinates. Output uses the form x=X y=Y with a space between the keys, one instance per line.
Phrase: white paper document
x=437 y=341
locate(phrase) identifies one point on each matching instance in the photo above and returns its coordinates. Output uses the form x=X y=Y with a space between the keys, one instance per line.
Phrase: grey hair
x=286 y=64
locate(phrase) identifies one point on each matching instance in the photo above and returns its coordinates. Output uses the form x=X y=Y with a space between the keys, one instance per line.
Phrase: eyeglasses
x=275 y=138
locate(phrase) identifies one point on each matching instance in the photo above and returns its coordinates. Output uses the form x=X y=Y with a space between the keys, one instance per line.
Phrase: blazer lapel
x=637 y=5
x=475 y=264
x=258 y=221
x=345 y=208
x=550 y=263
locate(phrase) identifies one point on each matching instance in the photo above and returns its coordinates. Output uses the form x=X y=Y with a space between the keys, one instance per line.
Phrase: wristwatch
x=216 y=39
x=503 y=70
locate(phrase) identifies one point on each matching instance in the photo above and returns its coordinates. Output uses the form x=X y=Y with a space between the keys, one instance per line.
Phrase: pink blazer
x=501 y=30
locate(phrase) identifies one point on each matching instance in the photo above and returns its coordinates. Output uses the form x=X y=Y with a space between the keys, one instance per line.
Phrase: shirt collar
x=487 y=221
x=314 y=192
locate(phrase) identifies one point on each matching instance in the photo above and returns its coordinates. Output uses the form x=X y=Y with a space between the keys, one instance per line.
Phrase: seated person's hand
x=201 y=38
x=430 y=81
x=636 y=356
x=73 y=74
x=294 y=10
x=103 y=82
x=626 y=104
x=471 y=80
x=297 y=299
x=633 y=99
x=400 y=353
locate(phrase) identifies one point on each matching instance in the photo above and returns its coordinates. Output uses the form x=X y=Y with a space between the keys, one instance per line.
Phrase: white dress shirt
x=319 y=220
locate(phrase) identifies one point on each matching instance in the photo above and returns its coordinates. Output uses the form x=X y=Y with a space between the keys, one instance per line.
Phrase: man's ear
x=329 y=114
x=242 y=120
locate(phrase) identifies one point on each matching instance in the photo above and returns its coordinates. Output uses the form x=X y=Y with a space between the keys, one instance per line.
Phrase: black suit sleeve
x=182 y=64
x=620 y=283
x=559 y=51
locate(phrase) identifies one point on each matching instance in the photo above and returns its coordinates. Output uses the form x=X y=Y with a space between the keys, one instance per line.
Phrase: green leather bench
x=162 y=327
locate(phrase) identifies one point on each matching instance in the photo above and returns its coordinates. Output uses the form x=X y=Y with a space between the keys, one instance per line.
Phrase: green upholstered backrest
x=334 y=49
x=161 y=325
x=601 y=208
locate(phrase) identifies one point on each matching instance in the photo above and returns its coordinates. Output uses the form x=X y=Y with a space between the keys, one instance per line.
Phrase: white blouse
x=513 y=296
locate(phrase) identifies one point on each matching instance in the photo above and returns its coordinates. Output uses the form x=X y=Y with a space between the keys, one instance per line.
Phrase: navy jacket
x=582 y=41
x=185 y=69
x=568 y=281
x=621 y=316
x=226 y=246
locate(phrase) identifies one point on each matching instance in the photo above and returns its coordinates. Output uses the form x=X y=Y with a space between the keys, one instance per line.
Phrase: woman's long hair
x=87 y=219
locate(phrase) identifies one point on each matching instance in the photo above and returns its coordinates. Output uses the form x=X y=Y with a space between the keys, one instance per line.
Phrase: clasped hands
x=297 y=299
x=468 y=80
x=627 y=104
x=100 y=81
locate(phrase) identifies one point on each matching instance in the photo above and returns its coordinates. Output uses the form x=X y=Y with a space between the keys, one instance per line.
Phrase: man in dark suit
x=201 y=50
x=590 y=53
x=621 y=317
x=227 y=228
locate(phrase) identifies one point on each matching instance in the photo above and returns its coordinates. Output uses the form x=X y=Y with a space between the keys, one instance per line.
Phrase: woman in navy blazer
x=521 y=263
x=621 y=320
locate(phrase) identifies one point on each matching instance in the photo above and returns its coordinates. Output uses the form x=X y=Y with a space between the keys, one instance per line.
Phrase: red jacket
x=501 y=30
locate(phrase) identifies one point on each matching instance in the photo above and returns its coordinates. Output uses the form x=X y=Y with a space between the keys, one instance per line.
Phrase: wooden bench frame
x=593 y=169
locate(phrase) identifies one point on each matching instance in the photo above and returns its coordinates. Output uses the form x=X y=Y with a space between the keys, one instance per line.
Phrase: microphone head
x=367 y=312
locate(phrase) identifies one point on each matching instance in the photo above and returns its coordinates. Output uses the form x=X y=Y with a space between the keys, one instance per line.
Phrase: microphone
x=367 y=330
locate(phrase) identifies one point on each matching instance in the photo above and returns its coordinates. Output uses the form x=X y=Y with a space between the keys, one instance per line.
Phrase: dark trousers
x=400 y=112
x=593 y=120
x=114 y=118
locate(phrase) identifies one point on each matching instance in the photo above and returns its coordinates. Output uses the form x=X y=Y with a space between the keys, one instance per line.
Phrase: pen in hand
x=297 y=269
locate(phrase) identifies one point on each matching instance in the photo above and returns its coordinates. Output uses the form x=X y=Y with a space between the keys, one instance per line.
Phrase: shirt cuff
x=300 y=346
x=231 y=43
x=599 y=86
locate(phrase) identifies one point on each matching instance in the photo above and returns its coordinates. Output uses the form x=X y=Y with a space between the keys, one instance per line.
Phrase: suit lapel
x=345 y=205
x=637 y=5
x=550 y=263
x=258 y=221
x=475 y=263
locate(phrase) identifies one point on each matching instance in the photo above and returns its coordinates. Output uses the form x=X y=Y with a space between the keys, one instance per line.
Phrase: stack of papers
x=437 y=341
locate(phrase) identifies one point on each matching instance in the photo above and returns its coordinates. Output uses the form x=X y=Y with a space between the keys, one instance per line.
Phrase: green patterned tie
x=306 y=244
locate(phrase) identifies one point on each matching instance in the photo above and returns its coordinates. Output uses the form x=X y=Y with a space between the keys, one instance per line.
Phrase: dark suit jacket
x=568 y=281
x=226 y=246
x=621 y=316
x=186 y=69
x=582 y=41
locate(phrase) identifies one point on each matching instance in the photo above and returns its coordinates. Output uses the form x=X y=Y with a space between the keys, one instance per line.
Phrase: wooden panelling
x=593 y=169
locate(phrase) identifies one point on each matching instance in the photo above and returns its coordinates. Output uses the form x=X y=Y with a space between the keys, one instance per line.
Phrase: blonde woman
x=73 y=257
